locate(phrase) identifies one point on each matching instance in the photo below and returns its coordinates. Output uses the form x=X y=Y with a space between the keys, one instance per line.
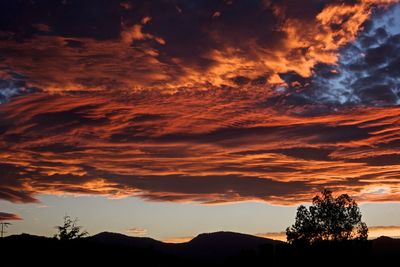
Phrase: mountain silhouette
x=221 y=245
x=229 y=240
x=219 y=241
x=384 y=247
x=204 y=247
x=124 y=240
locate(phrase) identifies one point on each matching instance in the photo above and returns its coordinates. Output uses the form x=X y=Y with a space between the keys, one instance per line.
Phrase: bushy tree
x=70 y=230
x=328 y=218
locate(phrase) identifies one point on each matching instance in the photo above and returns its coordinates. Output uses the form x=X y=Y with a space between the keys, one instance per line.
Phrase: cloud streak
x=137 y=231
x=4 y=216
x=224 y=151
x=236 y=103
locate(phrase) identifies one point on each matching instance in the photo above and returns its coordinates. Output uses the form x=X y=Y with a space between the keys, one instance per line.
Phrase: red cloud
x=265 y=39
x=211 y=147
x=187 y=109
x=4 y=216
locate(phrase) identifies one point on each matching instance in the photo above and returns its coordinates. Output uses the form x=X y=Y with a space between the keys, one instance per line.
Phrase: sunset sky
x=169 y=118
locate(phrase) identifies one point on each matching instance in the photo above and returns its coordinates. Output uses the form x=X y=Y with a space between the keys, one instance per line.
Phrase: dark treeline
x=119 y=250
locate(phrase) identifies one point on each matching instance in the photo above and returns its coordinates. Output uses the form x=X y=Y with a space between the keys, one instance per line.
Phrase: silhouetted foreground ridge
x=214 y=249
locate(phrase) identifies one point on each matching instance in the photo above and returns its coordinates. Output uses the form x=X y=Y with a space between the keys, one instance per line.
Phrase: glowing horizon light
x=202 y=104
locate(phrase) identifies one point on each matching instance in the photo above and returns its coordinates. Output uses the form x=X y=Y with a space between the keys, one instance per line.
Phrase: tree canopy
x=328 y=218
x=70 y=230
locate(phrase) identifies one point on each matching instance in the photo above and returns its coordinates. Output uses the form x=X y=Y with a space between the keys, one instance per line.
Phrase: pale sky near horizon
x=167 y=220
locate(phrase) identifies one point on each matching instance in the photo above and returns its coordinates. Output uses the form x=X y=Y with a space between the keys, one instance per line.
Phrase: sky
x=170 y=118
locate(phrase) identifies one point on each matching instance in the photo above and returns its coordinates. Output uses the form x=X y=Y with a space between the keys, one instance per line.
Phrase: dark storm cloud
x=381 y=160
x=93 y=19
x=307 y=153
x=191 y=32
x=231 y=136
x=11 y=187
x=224 y=188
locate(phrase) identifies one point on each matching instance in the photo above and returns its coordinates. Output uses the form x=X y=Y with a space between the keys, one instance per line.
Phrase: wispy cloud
x=4 y=216
x=273 y=235
x=137 y=231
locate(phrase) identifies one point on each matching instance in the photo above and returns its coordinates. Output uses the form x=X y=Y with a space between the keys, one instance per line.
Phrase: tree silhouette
x=70 y=230
x=328 y=218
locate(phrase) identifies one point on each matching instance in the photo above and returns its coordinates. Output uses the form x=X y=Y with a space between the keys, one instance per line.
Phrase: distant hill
x=386 y=245
x=229 y=240
x=120 y=239
x=222 y=245
x=215 y=246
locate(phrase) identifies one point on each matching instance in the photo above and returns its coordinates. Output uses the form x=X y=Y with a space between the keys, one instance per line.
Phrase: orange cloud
x=137 y=231
x=147 y=56
x=188 y=109
x=224 y=151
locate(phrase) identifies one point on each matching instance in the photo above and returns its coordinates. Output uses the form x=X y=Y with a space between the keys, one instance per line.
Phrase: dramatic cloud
x=4 y=216
x=209 y=146
x=206 y=101
x=137 y=231
x=136 y=45
x=367 y=72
